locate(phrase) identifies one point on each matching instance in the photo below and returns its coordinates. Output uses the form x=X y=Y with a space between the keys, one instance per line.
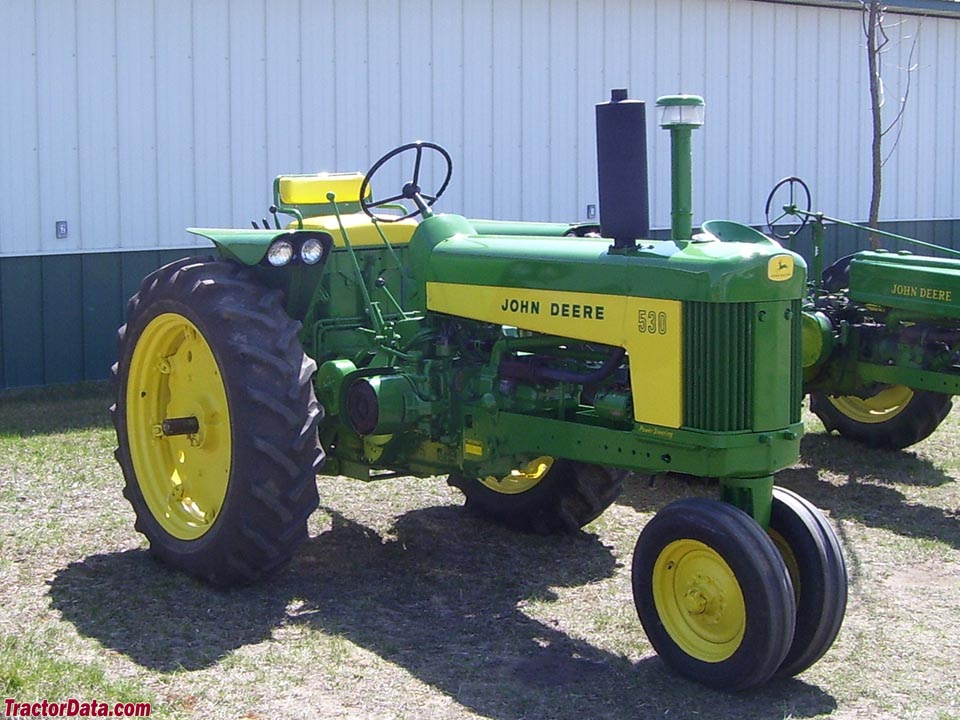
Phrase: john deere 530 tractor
x=535 y=364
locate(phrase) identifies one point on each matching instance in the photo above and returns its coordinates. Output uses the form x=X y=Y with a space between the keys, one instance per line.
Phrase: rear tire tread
x=261 y=522
x=917 y=421
x=571 y=495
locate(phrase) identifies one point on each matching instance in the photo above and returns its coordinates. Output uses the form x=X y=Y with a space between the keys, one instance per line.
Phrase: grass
x=402 y=606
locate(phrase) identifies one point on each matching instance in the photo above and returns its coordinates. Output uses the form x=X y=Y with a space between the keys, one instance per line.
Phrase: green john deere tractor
x=881 y=330
x=535 y=364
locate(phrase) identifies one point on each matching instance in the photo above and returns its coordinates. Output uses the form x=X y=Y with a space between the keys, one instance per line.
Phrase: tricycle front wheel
x=811 y=551
x=713 y=594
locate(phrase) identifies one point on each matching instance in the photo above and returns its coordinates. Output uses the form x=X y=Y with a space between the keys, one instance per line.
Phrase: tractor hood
x=915 y=283
x=713 y=271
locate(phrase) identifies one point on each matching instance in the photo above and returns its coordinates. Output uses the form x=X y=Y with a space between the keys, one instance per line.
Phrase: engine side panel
x=650 y=329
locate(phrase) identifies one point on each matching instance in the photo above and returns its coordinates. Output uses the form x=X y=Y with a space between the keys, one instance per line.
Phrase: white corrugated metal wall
x=132 y=119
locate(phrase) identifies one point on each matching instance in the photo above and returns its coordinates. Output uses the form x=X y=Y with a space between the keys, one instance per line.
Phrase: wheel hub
x=704 y=599
x=178 y=424
x=699 y=600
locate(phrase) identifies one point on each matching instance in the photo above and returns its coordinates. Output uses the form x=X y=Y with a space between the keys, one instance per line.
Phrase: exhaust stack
x=622 y=170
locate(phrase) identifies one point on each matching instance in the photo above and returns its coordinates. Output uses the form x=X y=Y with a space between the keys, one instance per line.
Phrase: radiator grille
x=796 y=363
x=717 y=363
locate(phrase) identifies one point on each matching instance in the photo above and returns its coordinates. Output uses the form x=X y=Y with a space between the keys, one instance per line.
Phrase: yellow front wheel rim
x=789 y=559
x=883 y=406
x=699 y=600
x=174 y=374
x=522 y=479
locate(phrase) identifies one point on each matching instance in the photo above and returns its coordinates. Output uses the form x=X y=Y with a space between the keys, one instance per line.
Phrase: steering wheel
x=411 y=190
x=788 y=209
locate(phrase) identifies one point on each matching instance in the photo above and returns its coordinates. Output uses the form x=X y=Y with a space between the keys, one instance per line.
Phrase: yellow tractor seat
x=305 y=196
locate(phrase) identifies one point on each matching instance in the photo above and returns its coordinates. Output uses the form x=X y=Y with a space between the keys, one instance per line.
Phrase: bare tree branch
x=873 y=34
x=911 y=67
x=877 y=32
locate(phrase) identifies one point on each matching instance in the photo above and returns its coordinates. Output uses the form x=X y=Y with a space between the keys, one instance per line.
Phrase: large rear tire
x=713 y=594
x=216 y=421
x=547 y=496
x=894 y=418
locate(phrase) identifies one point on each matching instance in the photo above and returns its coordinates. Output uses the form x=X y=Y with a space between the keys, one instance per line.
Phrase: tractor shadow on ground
x=648 y=493
x=867 y=493
x=440 y=597
x=858 y=463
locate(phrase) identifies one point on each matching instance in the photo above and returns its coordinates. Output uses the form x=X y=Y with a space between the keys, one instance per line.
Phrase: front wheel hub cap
x=699 y=600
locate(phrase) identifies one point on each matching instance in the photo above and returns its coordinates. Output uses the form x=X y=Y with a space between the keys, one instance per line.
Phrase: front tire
x=547 y=496
x=812 y=554
x=713 y=594
x=216 y=422
x=894 y=418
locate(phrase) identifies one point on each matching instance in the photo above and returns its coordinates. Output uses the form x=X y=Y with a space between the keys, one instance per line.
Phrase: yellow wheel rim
x=183 y=477
x=789 y=559
x=883 y=406
x=699 y=600
x=522 y=479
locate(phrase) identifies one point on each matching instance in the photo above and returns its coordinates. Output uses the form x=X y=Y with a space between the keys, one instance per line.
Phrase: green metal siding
x=102 y=311
x=22 y=321
x=3 y=375
x=59 y=314
x=61 y=284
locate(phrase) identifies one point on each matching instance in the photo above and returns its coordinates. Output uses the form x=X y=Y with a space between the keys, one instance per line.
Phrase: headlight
x=280 y=253
x=312 y=251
